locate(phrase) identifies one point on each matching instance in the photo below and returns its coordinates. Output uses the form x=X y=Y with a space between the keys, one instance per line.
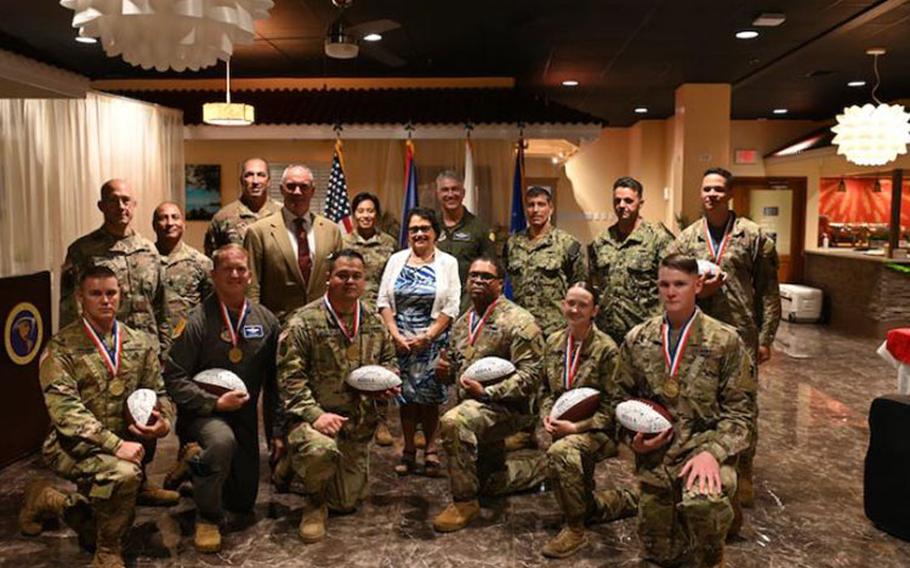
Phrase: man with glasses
x=230 y=223
x=473 y=433
x=288 y=249
x=132 y=257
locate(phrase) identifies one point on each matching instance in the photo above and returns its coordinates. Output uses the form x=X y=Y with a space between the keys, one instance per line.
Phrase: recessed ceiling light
x=856 y=84
x=746 y=34
x=641 y=110
x=570 y=83
x=780 y=111
x=86 y=39
x=372 y=37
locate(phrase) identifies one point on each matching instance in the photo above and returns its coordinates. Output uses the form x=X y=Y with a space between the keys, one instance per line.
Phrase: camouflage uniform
x=229 y=224
x=712 y=412
x=376 y=252
x=625 y=273
x=572 y=459
x=187 y=275
x=313 y=362
x=473 y=432
x=541 y=271
x=86 y=408
x=467 y=240
x=144 y=298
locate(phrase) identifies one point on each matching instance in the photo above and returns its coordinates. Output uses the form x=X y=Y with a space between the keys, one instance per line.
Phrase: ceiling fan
x=342 y=38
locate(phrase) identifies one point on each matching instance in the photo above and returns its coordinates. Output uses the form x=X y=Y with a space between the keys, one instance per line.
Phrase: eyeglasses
x=482 y=276
x=301 y=186
x=420 y=229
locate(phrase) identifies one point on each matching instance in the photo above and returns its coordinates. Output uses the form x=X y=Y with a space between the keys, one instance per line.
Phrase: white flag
x=470 y=189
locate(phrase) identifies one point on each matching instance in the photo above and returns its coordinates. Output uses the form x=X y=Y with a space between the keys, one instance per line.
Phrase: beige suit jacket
x=276 y=279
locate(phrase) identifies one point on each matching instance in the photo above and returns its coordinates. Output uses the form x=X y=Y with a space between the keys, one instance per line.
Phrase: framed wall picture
x=203 y=191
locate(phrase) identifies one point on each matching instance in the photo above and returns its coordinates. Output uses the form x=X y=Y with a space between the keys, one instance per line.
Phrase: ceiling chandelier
x=169 y=34
x=872 y=135
x=228 y=113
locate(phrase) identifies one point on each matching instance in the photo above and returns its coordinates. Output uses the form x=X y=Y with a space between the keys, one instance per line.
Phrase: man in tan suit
x=288 y=249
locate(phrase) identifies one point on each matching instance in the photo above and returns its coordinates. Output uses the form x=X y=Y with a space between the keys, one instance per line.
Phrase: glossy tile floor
x=808 y=509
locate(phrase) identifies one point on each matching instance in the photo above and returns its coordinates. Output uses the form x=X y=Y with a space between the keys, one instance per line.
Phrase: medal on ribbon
x=717 y=249
x=349 y=334
x=573 y=355
x=235 y=354
x=109 y=354
x=673 y=354
x=475 y=324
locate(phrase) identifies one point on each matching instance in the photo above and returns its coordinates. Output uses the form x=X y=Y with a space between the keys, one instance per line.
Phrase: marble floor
x=814 y=398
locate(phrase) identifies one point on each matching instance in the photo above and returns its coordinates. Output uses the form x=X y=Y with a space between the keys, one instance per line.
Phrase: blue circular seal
x=23 y=333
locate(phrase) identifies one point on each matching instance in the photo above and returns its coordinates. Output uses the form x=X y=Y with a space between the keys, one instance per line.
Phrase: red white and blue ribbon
x=475 y=324
x=234 y=332
x=717 y=249
x=573 y=355
x=109 y=354
x=673 y=355
x=352 y=334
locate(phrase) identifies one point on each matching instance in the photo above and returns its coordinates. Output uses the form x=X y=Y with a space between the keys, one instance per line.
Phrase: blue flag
x=517 y=221
x=410 y=192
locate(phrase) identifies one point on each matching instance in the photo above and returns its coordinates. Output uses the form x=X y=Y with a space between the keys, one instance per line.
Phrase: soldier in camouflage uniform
x=623 y=262
x=133 y=258
x=542 y=261
x=463 y=234
x=746 y=294
x=229 y=224
x=580 y=355
x=330 y=425
x=86 y=375
x=187 y=272
x=698 y=369
x=473 y=432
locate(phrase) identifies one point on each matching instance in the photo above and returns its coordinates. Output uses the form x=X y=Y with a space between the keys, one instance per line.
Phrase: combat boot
x=108 y=558
x=518 y=441
x=42 y=503
x=312 y=523
x=456 y=516
x=383 y=437
x=569 y=541
x=114 y=519
x=207 y=537
x=151 y=495
x=181 y=470
x=420 y=440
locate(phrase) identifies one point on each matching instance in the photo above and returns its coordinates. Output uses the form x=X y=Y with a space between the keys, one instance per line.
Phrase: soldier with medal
x=87 y=372
x=580 y=355
x=331 y=425
x=227 y=332
x=473 y=432
x=699 y=369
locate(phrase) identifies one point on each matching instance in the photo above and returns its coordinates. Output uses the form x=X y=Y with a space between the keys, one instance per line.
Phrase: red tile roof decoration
x=377 y=106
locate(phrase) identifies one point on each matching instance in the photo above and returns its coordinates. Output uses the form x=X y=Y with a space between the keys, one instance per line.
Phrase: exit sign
x=745 y=157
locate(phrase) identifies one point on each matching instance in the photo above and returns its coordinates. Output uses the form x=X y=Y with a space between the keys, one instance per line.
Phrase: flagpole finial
x=409 y=128
x=521 y=131
x=337 y=127
x=468 y=127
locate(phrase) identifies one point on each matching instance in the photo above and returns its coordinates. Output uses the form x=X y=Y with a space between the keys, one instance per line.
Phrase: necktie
x=303 y=251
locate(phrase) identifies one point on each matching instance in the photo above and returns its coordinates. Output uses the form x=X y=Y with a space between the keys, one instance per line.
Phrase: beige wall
x=765 y=136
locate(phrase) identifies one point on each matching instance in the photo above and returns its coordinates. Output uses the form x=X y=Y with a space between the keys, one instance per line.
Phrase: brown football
x=139 y=405
x=576 y=404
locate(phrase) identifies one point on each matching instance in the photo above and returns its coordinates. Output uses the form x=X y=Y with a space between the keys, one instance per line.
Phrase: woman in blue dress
x=418 y=299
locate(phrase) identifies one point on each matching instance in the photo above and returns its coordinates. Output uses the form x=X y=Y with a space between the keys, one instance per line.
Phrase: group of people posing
x=292 y=306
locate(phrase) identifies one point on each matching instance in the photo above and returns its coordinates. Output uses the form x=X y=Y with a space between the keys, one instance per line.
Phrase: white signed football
x=645 y=416
x=707 y=268
x=372 y=378
x=489 y=369
x=139 y=406
x=219 y=381
x=576 y=404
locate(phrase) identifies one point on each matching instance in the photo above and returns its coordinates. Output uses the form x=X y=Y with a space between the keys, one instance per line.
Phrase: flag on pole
x=470 y=189
x=410 y=191
x=337 y=205
x=517 y=222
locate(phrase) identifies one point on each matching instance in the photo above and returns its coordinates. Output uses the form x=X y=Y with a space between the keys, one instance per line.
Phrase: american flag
x=337 y=204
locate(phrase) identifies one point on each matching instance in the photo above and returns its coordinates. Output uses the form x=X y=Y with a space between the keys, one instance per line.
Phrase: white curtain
x=54 y=156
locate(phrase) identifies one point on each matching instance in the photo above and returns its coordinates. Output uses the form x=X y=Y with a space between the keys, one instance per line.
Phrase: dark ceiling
x=624 y=53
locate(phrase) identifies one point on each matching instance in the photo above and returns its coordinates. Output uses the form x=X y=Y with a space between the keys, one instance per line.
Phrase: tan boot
x=207 y=537
x=312 y=523
x=151 y=495
x=282 y=474
x=108 y=558
x=181 y=470
x=42 y=503
x=456 y=516
x=569 y=541
x=420 y=440
x=518 y=441
x=383 y=437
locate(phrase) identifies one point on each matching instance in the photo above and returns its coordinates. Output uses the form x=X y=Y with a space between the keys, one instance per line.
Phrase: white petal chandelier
x=872 y=135
x=169 y=34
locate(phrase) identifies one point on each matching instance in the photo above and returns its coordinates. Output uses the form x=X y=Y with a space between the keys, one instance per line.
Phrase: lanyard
x=234 y=332
x=717 y=249
x=673 y=354
x=109 y=354
x=352 y=334
x=573 y=355
x=475 y=324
